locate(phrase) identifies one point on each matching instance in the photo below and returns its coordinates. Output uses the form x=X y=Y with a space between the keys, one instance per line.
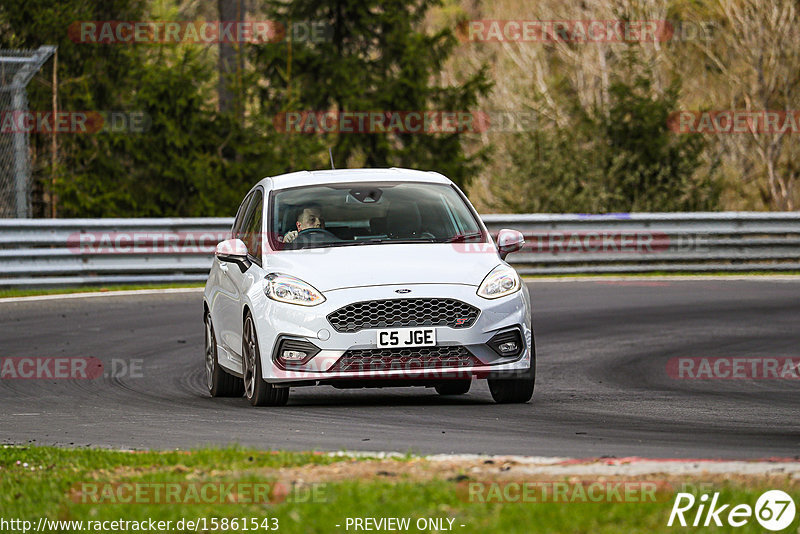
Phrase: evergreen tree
x=375 y=57
x=619 y=160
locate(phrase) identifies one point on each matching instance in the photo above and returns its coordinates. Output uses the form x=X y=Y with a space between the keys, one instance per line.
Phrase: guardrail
x=655 y=242
x=61 y=252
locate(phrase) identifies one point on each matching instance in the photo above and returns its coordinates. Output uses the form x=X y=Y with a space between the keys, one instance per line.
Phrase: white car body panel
x=329 y=269
x=350 y=274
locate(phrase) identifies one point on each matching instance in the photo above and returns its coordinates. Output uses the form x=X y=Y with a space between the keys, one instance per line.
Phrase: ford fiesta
x=365 y=278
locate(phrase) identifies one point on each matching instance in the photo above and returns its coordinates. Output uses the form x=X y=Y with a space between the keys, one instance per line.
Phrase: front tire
x=516 y=390
x=219 y=382
x=256 y=389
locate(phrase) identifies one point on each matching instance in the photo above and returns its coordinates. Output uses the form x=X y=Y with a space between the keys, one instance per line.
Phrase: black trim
x=240 y=211
x=505 y=336
x=287 y=343
x=251 y=259
x=243 y=263
x=255 y=260
x=413 y=360
x=445 y=320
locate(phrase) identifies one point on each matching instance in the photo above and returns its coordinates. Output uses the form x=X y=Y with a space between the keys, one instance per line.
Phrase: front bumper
x=277 y=321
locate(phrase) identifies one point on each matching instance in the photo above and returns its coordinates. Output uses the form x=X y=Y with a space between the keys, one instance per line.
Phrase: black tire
x=516 y=390
x=219 y=382
x=454 y=387
x=256 y=389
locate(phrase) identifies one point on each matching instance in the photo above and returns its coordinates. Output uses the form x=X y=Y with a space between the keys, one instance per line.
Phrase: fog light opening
x=293 y=355
x=508 y=343
x=294 y=352
x=509 y=347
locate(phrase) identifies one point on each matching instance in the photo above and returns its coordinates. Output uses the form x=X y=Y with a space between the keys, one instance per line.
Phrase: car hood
x=369 y=265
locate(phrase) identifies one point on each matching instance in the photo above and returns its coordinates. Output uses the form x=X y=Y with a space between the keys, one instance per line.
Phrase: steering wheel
x=315 y=235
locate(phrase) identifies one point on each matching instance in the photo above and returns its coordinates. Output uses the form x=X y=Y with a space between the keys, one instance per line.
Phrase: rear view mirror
x=233 y=251
x=509 y=241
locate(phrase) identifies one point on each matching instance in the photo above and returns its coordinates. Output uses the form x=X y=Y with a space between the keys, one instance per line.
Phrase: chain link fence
x=17 y=68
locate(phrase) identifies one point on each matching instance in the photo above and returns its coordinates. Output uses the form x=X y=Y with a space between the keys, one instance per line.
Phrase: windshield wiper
x=458 y=238
x=351 y=243
x=387 y=240
x=376 y=241
x=406 y=240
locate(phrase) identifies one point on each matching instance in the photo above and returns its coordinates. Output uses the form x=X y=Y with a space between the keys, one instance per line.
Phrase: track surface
x=602 y=388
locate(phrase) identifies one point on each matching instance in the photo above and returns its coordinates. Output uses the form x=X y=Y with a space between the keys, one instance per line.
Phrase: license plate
x=406 y=337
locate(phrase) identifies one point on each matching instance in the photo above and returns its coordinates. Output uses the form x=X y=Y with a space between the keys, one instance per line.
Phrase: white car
x=398 y=283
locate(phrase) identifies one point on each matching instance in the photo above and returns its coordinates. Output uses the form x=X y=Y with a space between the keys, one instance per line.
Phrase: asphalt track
x=602 y=386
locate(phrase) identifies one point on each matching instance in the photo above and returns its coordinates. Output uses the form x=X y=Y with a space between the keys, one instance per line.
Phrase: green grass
x=49 y=490
x=6 y=293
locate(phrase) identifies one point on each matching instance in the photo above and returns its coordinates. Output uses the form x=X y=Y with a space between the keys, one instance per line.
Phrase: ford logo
x=403 y=291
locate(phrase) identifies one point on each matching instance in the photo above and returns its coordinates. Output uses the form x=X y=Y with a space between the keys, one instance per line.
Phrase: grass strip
x=315 y=492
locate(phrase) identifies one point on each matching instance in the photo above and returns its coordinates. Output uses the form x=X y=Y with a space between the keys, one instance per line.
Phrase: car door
x=224 y=299
x=225 y=308
x=251 y=235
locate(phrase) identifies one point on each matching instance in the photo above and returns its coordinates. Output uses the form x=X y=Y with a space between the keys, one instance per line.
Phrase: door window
x=252 y=234
x=238 y=223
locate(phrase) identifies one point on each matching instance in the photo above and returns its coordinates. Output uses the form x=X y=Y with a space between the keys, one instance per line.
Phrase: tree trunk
x=230 y=59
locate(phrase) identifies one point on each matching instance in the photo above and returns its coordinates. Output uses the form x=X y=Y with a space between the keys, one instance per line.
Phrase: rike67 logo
x=774 y=510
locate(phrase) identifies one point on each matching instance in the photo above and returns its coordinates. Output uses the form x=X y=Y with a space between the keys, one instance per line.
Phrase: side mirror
x=233 y=251
x=509 y=241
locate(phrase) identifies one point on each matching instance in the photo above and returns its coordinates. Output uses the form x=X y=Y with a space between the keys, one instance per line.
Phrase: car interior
x=373 y=212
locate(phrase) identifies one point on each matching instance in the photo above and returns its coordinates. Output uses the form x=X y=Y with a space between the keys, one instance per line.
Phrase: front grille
x=394 y=313
x=408 y=359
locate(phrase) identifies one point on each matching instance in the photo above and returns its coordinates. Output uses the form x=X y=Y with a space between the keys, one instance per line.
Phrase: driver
x=308 y=218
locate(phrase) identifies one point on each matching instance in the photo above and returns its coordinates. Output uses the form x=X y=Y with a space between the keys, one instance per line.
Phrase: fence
x=60 y=252
x=17 y=67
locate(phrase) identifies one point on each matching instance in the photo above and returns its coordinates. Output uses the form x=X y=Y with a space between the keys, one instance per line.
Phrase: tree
x=32 y=23
x=182 y=165
x=230 y=64
x=552 y=170
x=756 y=57
x=624 y=160
x=375 y=57
x=646 y=166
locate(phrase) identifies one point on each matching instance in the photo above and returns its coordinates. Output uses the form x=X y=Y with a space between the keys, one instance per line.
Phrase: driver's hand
x=290 y=236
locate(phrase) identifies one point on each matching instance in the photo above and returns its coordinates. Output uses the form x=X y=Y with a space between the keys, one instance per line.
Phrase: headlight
x=502 y=281
x=291 y=290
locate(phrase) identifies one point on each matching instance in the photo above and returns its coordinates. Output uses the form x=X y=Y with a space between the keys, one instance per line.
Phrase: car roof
x=301 y=178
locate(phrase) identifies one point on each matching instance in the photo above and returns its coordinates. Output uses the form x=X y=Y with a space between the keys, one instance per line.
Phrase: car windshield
x=368 y=213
